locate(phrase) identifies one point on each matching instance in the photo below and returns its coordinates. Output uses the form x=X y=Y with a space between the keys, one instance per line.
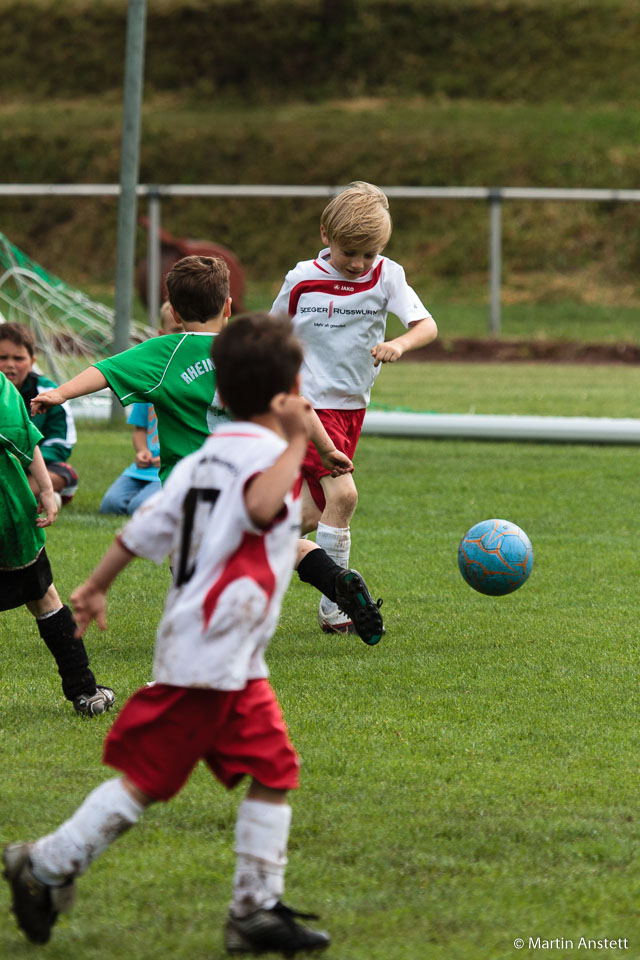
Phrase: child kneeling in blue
x=141 y=479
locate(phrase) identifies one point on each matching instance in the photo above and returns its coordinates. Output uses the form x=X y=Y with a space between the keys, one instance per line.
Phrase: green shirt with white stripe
x=21 y=539
x=176 y=374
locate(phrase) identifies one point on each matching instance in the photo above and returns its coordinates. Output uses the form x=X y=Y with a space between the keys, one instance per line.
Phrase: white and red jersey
x=229 y=575
x=339 y=321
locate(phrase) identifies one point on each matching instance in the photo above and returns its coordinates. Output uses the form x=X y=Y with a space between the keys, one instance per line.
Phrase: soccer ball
x=495 y=557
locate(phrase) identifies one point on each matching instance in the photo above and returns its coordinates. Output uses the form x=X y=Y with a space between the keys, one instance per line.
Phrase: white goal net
x=71 y=330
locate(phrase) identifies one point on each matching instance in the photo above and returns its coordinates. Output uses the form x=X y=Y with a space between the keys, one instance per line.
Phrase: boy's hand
x=43 y=402
x=387 y=352
x=47 y=505
x=144 y=459
x=336 y=462
x=294 y=414
x=89 y=603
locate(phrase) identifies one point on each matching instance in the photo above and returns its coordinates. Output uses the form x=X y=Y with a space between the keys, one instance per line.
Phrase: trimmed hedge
x=265 y=50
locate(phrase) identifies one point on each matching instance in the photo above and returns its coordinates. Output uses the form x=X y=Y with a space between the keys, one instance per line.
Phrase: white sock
x=52 y=613
x=67 y=852
x=336 y=541
x=262 y=833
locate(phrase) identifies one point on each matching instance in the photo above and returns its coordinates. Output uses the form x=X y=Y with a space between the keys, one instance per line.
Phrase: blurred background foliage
x=406 y=93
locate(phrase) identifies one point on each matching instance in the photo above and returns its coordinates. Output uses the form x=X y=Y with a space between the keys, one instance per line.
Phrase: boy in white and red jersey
x=230 y=517
x=339 y=304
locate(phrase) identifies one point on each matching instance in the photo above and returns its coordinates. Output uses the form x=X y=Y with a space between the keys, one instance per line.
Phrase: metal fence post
x=153 y=259
x=495 y=258
x=129 y=162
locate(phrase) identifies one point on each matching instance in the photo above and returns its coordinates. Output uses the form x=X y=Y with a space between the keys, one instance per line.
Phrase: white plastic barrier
x=475 y=426
x=95 y=406
x=489 y=427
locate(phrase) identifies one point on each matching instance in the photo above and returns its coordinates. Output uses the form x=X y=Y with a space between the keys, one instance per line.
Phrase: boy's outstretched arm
x=264 y=497
x=419 y=334
x=89 y=600
x=88 y=381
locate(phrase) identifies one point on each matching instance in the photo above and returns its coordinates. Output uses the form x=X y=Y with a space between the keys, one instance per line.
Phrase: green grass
x=470 y=780
x=528 y=389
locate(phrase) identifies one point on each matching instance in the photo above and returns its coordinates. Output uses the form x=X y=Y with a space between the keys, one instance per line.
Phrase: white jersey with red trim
x=339 y=321
x=229 y=575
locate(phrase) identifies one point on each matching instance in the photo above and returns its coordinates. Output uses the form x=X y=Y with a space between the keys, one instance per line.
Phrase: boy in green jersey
x=174 y=372
x=25 y=572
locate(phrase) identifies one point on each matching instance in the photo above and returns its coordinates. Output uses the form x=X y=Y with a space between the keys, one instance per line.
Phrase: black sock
x=318 y=569
x=58 y=632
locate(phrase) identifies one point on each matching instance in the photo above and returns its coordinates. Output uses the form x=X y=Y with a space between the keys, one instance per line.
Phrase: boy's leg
x=346 y=587
x=262 y=834
x=64 y=479
x=57 y=628
x=41 y=874
x=334 y=536
x=258 y=921
x=336 y=498
x=147 y=489
x=117 y=498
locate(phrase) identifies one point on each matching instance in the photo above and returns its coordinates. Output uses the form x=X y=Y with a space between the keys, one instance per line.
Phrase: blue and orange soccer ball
x=495 y=557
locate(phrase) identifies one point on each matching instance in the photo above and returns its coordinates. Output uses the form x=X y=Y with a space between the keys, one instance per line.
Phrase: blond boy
x=339 y=304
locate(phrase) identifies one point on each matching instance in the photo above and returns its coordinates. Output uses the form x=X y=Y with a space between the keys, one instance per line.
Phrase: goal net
x=71 y=330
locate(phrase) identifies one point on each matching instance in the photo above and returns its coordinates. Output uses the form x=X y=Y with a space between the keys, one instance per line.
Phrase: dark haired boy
x=174 y=372
x=57 y=426
x=230 y=517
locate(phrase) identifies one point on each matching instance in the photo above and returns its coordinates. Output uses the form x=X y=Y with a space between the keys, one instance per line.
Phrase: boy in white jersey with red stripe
x=230 y=517
x=339 y=304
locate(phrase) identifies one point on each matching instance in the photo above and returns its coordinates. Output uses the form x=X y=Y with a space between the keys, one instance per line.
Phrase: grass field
x=470 y=781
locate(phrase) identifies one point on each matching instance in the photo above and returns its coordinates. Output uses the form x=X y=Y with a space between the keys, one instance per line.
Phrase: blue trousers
x=126 y=494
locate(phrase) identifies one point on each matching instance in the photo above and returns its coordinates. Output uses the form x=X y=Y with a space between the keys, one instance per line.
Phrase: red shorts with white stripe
x=163 y=731
x=343 y=426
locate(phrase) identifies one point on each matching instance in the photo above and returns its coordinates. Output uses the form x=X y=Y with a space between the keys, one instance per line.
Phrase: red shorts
x=343 y=426
x=162 y=731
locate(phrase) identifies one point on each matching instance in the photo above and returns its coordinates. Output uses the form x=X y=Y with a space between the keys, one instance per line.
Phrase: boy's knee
x=343 y=495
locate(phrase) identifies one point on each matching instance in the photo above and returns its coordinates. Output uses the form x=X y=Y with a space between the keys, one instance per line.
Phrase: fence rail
x=493 y=196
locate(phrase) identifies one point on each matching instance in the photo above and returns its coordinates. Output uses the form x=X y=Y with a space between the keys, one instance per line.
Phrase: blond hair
x=357 y=216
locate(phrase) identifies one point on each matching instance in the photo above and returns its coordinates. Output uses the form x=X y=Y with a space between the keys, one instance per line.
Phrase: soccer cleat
x=353 y=597
x=36 y=905
x=274 y=930
x=69 y=491
x=335 y=622
x=92 y=705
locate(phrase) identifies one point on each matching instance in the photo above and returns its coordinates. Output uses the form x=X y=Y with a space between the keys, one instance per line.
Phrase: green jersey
x=174 y=373
x=20 y=541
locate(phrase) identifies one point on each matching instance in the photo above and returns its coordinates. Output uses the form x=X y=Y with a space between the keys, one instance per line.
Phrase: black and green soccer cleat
x=354 y=599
